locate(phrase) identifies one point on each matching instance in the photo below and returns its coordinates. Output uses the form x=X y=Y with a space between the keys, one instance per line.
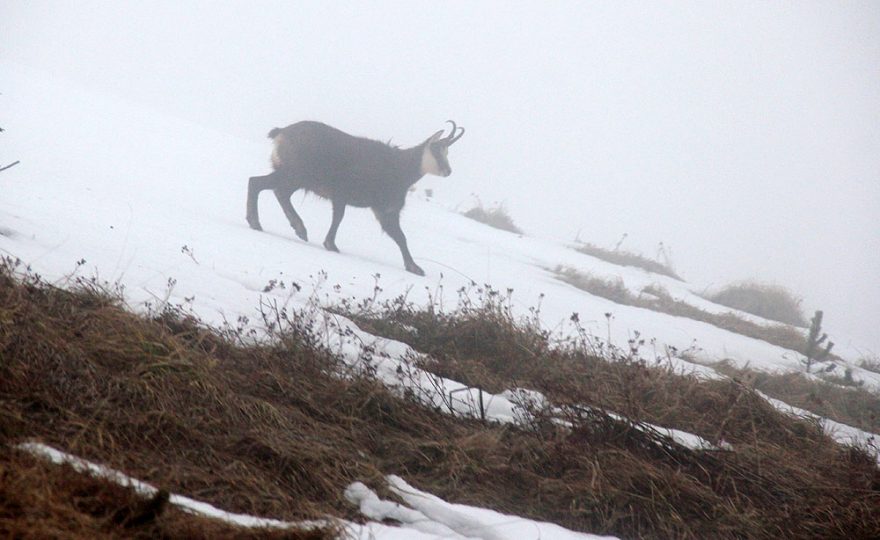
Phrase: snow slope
x=157 y=205
x=145 y=199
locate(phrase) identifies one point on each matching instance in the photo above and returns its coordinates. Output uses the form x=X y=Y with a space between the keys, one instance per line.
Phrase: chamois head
x=435 y=150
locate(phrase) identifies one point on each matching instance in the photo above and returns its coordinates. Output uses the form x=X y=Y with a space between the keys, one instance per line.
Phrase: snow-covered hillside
x=157 y=205
x=145 y=199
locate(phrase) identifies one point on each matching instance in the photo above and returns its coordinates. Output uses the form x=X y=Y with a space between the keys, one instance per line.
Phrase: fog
x=743 y=136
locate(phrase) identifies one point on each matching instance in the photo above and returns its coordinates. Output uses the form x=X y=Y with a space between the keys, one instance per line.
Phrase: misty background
x=744 y=136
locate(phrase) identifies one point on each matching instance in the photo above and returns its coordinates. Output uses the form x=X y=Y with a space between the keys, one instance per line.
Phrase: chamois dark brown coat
x=348 y=170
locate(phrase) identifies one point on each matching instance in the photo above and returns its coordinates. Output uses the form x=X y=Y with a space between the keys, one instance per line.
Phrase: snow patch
x=428 y=514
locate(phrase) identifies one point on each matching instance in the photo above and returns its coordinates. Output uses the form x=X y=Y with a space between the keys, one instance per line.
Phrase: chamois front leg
x=338 y=213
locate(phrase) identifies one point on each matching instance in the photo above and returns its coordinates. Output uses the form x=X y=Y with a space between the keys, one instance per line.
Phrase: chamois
x=348 y=170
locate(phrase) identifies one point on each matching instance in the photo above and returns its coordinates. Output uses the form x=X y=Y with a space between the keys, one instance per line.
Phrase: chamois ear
x=435 y=137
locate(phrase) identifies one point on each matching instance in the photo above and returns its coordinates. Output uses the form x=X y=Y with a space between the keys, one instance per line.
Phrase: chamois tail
x=274 y=133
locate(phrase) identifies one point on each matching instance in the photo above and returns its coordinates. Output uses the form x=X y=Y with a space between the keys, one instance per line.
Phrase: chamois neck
x=412 y=160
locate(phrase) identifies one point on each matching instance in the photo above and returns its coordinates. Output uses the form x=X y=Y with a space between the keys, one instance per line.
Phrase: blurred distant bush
x=771 y=302
x=871 y=363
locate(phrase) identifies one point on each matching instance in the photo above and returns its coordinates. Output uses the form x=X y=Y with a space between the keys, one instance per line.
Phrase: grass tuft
x=496 y=217
x=626 y=258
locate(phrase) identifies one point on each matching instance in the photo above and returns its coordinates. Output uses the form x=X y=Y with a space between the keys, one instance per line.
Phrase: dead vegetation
x=772 y=302
x=496 y=216
x=626 y=258
x=656 y=298
x=42 y=500
x=269 y=428
x=483 y=345
x=855 y=407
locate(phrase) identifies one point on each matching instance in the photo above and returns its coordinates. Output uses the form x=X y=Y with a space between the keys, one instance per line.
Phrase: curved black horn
x=451 y=131
x=452 y=136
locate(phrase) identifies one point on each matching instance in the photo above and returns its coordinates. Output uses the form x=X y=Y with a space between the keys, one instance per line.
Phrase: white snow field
x=157 y=205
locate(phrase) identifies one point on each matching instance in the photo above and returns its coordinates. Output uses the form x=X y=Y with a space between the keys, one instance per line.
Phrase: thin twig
x=10 y=165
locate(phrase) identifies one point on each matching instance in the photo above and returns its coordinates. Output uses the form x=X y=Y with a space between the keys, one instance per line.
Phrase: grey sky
x=743 y=135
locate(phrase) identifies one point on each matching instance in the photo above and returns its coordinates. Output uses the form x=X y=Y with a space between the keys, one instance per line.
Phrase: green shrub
x=818 y=348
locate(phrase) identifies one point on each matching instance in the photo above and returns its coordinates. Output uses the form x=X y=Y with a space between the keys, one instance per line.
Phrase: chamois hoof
x=415 y=269
x=331 y=246
x=254 y=224
x=303 y=235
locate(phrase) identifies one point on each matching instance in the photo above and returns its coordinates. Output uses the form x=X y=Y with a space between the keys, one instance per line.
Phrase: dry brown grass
x=856 y=407
x=267 y=429
x=496 y=216
x=626 y=258
x=41 y=500
x=765 y=488
x=660 y=300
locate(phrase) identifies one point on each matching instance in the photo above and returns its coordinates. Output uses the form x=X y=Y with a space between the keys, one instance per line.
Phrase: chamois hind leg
x=257 y=184
x=338 y=213
x=283 y=193
x=390 y=222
